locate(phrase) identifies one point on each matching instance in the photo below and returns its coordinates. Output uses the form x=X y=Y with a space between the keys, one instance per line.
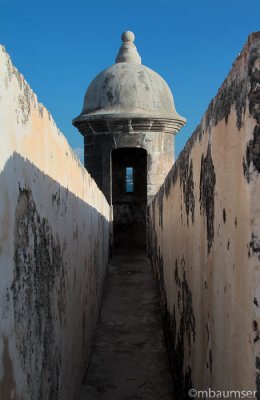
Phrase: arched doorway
x=129 y=196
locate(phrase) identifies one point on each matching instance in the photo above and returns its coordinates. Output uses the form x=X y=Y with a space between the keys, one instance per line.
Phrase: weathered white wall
x=204 y=245
x=54 y=228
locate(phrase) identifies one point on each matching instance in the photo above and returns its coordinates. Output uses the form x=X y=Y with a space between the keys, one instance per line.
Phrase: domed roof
x=129 y=90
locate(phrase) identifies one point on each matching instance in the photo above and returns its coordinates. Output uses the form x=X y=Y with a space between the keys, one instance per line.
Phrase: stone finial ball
x=128 y=36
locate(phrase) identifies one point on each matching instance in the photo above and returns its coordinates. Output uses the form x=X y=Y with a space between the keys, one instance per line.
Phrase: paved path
x=129 y=360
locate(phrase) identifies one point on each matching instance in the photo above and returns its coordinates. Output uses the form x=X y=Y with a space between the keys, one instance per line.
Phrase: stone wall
x=98 y=148
x=54 y=231
x=204 y=241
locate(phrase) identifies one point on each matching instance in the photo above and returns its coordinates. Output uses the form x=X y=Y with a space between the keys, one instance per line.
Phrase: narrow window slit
x=129 y=180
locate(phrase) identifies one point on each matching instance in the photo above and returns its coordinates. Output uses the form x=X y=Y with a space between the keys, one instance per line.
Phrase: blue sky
x=60 y=46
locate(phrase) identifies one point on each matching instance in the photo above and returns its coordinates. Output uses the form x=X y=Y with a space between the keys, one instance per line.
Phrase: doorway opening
x=129 y=196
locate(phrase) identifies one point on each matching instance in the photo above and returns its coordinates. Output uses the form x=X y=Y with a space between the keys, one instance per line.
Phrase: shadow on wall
x=53 y=258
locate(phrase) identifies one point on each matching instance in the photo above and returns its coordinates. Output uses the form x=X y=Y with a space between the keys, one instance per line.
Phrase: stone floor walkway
x=128 y=359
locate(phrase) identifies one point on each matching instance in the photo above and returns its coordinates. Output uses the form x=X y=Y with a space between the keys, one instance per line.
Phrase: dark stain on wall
x=255 y=245
x=256 y=330
x=210 y=360
x=257 y=386
x=56 y=199
x=183 y=168
x=232 y=92
x=38 y=281
x=224 y=215
x=207 y=192
x=187 y=184
x=252 y=156
x=160 y=198
x=26 y=99
x=187 y=323
x=176 y=336
x=257 y=364
x=207 y=331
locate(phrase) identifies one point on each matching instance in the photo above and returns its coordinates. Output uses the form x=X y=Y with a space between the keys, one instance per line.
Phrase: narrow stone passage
x=129 y=359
